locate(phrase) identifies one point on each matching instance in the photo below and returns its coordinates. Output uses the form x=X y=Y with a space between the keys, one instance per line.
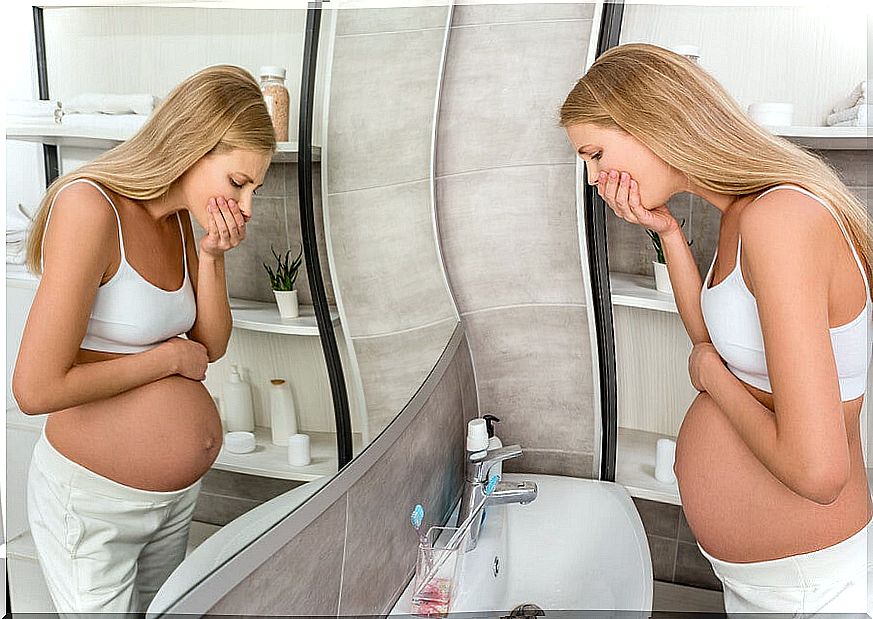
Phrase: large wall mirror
x=375 y=109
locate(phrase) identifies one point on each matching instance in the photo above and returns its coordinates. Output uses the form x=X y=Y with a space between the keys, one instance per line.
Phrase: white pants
x=836 y=579
x=102 y=546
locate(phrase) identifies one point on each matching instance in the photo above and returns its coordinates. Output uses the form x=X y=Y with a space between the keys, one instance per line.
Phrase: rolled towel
x=858 y=95
x=95 y=103
x=17 y=222
x=853 y=117
x=32 y=111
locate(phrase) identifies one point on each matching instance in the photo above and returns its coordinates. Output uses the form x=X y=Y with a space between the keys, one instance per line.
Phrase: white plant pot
x=287 y=302
x=662 y=278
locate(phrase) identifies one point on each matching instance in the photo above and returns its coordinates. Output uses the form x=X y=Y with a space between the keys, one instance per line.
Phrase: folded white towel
x=853 y=117
x=858 y=95
x=95 y=103
x=18 y=220
x=130 y=123
x=31 y=108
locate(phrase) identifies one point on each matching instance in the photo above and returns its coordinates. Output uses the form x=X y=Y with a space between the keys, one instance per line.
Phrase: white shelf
x=264 y=316
x=633 y=290
x=269 y=460
x=60 y=135
x=837 y=138
x=635 y=466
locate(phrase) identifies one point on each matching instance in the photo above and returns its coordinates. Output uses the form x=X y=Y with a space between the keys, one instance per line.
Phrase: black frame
x=310 y=246
x=598 y=265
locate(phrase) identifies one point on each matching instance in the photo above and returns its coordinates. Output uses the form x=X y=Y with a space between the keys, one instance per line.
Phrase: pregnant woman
x=768 y=458
x=131 y=429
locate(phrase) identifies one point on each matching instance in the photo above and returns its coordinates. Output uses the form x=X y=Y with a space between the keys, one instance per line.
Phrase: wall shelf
x=269 y=460
x=631 y=290
x=635 y=459
x=827 y=138
x=58 y=134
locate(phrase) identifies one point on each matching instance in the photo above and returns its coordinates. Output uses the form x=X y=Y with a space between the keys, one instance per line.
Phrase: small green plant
x=656 y=241
x=286 y=274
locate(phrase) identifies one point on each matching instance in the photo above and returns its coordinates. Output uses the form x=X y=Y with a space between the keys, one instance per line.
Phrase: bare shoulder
x=81 y=222
x=787 y=217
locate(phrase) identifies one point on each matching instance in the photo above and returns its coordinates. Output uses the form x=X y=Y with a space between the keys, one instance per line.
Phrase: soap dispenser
x=236 y=400
x=494 y=442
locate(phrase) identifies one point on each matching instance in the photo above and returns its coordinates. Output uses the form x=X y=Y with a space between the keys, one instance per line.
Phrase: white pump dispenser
x=236 y=400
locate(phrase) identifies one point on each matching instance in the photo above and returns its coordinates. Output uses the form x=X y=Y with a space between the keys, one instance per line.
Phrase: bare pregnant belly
x=160 y=436
x=739 y=511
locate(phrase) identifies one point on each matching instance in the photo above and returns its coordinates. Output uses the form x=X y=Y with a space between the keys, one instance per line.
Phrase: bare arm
x=78 y=252
x=687 y=284
x=214 y=322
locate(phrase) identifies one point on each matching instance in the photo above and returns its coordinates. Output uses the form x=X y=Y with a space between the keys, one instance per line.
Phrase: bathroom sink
x=579 y=546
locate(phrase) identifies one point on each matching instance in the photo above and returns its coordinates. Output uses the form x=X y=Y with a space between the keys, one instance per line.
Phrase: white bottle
x=283 y=417
x=494 y=442
x=236 y=400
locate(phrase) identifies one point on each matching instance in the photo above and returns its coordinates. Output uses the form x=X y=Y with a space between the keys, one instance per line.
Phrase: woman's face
x=605 y=149
x=233 y=175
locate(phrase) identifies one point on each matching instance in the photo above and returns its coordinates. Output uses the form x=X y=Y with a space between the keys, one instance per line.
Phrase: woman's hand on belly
x=185 y=357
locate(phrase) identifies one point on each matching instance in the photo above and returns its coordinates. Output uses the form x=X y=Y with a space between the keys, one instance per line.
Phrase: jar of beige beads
x=276 y=97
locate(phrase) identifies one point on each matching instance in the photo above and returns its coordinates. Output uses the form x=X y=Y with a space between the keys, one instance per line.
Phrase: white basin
x=579 y=546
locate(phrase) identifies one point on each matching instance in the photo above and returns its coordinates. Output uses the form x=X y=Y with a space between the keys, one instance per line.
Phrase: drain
x=527 y=610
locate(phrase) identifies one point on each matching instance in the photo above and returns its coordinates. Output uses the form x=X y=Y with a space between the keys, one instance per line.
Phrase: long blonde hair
x=687 y=118
x=217 y=109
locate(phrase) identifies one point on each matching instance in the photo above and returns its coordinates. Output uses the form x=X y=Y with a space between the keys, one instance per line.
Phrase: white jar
x=771 y=114
x=236 y=402
x=283 y=416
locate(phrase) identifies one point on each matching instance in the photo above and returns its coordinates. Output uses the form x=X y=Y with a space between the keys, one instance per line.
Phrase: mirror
x=392 y=311
x=384 y=67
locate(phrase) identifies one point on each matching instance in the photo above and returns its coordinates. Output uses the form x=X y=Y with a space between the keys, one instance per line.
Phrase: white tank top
x=731 y=315
x=130 y=314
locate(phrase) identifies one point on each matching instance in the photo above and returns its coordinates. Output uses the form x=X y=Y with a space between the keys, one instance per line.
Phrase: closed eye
x=597 y=156
x=234 y=183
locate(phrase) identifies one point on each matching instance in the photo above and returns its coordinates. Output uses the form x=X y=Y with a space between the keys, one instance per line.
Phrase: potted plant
x=662 y=276
x=282 y=282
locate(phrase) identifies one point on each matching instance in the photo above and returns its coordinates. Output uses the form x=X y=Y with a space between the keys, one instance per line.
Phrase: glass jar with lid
x=276 y=97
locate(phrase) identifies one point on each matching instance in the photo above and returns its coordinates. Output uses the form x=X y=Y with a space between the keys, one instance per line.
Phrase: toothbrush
x=417 y=517
x=462 y=529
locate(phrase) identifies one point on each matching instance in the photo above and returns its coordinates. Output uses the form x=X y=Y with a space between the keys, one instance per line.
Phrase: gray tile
x=219 y=509
x=467 y=378
x=502 y=246
x=658 y=518
x=692 y=568
x=292 y=208
x=393 y=368
x=551 y=462
x=663 y=551
x=381 y=546
x=274 y=182
x=494 y=116
x=309 y=568
x=393 y=19
x=469 y=14
x=385 y=259
x=685 y=532
x=242 y=486
x=533 y=369
x=381 y=108
x=852 y=166
x=680 y=598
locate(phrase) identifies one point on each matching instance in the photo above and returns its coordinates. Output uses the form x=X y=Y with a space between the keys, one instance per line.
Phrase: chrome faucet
x=476 y=473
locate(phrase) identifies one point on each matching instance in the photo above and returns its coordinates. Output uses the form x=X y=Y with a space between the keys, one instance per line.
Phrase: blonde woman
x=768 y=458
x=131 y=429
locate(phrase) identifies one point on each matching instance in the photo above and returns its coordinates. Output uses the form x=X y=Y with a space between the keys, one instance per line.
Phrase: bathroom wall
x=508 y=226
x=358 y=555
x=385 y=66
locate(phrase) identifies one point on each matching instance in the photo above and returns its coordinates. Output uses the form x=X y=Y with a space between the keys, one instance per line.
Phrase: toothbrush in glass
x=459 y=534
x=417 y=518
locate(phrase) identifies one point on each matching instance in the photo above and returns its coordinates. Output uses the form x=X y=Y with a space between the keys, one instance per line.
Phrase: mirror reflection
x=245 y=422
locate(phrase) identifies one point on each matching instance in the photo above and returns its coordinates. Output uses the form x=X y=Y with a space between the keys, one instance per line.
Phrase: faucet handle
x=480 y=462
